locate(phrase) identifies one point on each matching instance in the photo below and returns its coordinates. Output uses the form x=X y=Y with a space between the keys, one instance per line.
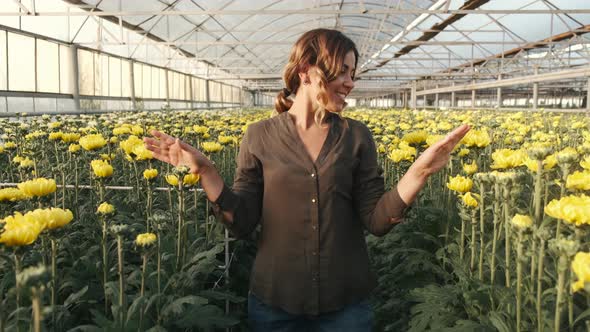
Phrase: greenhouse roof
x=246 y=42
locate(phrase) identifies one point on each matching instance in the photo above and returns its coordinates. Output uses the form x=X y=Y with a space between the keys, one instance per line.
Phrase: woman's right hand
x=176 y=152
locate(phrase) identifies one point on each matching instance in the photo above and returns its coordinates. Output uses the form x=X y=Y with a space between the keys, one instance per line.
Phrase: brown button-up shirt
x=312 y=256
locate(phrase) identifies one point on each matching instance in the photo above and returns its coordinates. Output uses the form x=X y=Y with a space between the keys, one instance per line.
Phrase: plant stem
x=562 y=267
x=179 y=242
x=17 y=268
x=540 y=284
x=53 y=279
x=36 y=304
x=473 y=242
x=481 y=228
x=518 y=279
x=507 y=234
x=122 y=309
x=495 y=237
x=142 y=289
x=105 y=263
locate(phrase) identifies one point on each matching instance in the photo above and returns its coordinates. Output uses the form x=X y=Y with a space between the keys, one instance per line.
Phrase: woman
x=311 y=179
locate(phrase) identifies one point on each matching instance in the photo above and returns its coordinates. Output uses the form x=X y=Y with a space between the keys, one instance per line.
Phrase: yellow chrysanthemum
x=12 y=195
x=92 y=142
x=52 y=218
x=585 y=163
x=507 y=158
x=101 y=168
x=578 y=180
x=105 y=208
x=150 y=174
x=460 y=184
x=521 y=221
x=476 y=138
x=470 y=168
x=172 y=179
x=211 y=147
x=38 y=187
x=581 y=268
x=469 y=199
x=20 y=230
x=573 y=209
x=73 y=148
x=145 y=239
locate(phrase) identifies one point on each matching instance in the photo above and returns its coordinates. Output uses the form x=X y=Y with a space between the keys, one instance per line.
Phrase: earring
x=307 y=82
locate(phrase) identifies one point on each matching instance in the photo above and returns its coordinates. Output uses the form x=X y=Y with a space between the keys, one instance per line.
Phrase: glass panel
x=147 y=81
x=3 y=62
x=104 y=59
x=137 y=80
x=125 y=79
x=114 y=77
x=47 y=67
x=65 y=70
x=43 y=105
x=86 y=72
x=21 y=63
x=163 y=82
x=98 y=75
x=20 y=104
x=155 y=82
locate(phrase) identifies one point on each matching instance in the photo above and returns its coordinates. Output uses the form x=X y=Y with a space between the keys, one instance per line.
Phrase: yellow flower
x=26 y=163
x=470 y=168
x=585 y=163
x=73 y=148
x=142 y=153
x=70 y=137
x=397 y=155
x=201 y=130
x=573 y=209
x=52 y=218
x=145 y=239
x=190 y=179
x=149 y=174
x=460 y=184
x=567 y=156
x=105 y=208
x=10 y=145
x=92 y=142
x=578 y=180
x=507 y=158
x=211 y=147
x=431 y=139
x=415 y=137
x=101 y=169
x=463 y=152
x=54 y=136
x=12 y=195
x=581 y=267
x=172 y=179
x=227 y=139
x=477 y=138
x=20 y=230
x=521 y=221
x=38 y=187
x=470 y=199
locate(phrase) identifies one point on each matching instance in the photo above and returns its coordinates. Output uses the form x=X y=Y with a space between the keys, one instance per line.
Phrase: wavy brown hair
x=323 y=48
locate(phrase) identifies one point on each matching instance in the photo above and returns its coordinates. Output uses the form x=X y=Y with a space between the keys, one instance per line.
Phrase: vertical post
x=473 y=96
x=167 y=87
x=132 y=83
x=207 y=93
x=588 y=95
x=413 y=103
x=499 y=94
x=453 y=97
x=436 y=99
x=75 y=78
x=536 y=91
x=191 y=94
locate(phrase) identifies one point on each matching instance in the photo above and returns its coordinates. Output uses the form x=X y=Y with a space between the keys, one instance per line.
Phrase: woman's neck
x=303 y=113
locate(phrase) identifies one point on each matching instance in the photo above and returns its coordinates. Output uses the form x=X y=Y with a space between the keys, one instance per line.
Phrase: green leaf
x=74 y=297
x=499 y=322
x=177 y=306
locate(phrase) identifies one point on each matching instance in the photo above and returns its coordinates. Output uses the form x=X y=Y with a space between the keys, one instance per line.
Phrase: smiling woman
x=310 y=178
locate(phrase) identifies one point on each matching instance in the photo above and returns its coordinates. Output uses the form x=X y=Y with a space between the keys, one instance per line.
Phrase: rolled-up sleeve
x=377 y=209
x=244 y=199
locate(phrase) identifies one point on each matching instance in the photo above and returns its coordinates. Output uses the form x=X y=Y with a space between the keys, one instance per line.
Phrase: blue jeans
x=356 y=317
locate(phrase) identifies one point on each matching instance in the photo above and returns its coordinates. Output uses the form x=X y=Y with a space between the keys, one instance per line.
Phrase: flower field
x=95 y=235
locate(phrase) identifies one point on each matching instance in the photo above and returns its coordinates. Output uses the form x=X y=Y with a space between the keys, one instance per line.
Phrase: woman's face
x=339 y=88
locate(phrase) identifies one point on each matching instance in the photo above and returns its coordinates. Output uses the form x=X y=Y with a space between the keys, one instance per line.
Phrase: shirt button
x=313 y=200
x=314 y=227
x=313 y=175
x=314 y=253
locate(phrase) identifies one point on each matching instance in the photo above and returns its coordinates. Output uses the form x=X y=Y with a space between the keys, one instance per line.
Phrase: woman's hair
x=323 y=48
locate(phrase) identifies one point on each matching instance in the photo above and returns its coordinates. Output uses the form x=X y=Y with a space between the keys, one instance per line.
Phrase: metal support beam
x=588 y=95
x=536 y=91
x=545 y=77
x=75 y=78
x=473 y=97
x=436 y=99
x=132 y=84
x=453 y=97
x=499 y=94
x=413 y=103
x=207 y=93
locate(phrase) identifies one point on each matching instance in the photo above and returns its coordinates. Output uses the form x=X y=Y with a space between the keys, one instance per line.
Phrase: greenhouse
x=316 y=165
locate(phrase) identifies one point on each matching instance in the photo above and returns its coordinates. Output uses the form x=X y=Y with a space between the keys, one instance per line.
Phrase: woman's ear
x=304 y=75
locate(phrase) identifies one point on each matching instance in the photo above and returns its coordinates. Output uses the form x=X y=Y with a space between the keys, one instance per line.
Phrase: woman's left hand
x=437 y=155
